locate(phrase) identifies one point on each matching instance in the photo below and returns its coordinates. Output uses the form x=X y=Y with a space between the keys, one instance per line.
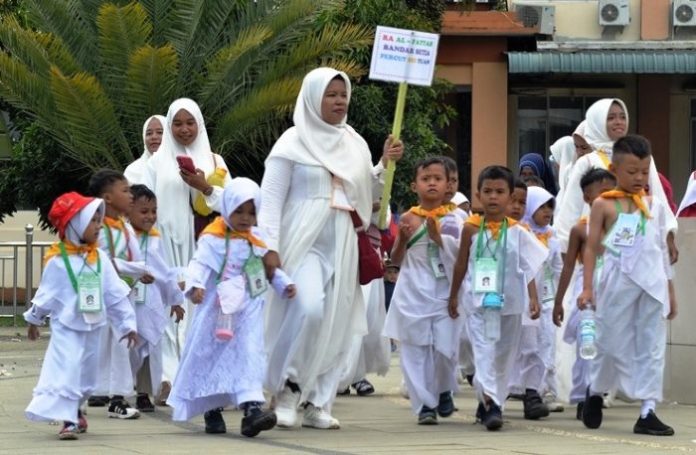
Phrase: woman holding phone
x=178 y=174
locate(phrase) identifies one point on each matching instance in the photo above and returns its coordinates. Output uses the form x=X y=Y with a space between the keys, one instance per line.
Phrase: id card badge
x=89 y=293
x=139 y=291
x=625 y=229
x=255 y=275
x=436 y=265
x=548 y=288
x=485 y=275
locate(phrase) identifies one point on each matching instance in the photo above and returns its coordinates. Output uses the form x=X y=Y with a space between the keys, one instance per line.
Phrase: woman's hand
x=195 y=180
x=393 y=150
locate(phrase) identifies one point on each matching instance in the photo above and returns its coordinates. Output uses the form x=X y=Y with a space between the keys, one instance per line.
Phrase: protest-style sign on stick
x=406 y=57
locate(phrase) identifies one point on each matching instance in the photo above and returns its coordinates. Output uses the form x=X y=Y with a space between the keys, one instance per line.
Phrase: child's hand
x=585 y=298
x=558 y=313
x=147 y=279
x=33 y=332
x=290 y=291
x=376 y=206
x=405 y=230
x=271 y=262
x=672 y=248
x=534 y=308
x=672 y=306
x=132 y=339
x=197 y=295
x=182 y=285
x=452 y=308
x=434 y=231
x=179 y=311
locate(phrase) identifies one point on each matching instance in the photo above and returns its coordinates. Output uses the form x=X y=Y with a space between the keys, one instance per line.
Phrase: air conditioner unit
x=684 y=13
x=614 y=13
x=541 y=16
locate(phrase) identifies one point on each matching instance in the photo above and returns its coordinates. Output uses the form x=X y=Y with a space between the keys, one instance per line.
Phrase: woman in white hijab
x=316 y=174
x=175 y=188
x=153 y=130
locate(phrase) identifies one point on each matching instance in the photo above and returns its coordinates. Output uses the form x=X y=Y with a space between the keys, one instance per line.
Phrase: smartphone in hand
x=185 y=162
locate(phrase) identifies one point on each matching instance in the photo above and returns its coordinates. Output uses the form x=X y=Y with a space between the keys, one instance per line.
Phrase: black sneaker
x=427 y=416
x=214 y=423
x=493 y=418
x=470 y=379
x=143 y=403
x=344 y=392
x=480 y=412
x=578 y=411
x=257 y=421
x=592 y=410
x=534 y=407
x=652 y=425
x=364 y=388
x=445 y=407
x=120 y=409
x=97 y=401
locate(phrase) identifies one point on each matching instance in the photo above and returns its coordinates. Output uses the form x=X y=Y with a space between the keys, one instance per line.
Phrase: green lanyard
x=419 y=234
x=641 y=225
x=71 y=274
x=143 y=245
x=502 y=239
x=224 y=260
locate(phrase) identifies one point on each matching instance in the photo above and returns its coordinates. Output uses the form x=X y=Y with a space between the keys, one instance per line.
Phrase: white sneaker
x=286 y=408
x=318 y=418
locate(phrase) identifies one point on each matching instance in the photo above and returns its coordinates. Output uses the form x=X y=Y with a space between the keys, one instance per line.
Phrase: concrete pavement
x=379 y=424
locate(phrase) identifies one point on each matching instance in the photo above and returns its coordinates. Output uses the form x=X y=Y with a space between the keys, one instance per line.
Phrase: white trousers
x=114 y=376
x=427 y=373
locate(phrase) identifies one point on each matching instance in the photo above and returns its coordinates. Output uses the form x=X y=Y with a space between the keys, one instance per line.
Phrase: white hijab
x=338 y=148
x=690 y=194
x=563 y=152
x=134 y=172
x=78 y=223
x=536 y=197
x=596 y=128
x=173 y=194
x=236 y=193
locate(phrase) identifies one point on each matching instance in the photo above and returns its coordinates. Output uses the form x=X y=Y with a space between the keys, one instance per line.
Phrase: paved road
x=379 y=424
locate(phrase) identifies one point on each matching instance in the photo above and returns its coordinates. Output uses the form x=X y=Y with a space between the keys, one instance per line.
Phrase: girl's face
x=542 y=217
x=244 y=217
x=334 y=104
x=581 y=145
x=91 y=234
x=616 y=122
x=153 y=135
x=184 y=128
x=526 y=171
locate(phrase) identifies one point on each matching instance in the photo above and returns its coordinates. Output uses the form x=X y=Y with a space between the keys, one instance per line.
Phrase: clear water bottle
x=224 y=327
x=587 y=332
x=492 y=304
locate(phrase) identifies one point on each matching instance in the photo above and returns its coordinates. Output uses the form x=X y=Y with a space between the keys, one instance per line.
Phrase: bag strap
x=357 y=222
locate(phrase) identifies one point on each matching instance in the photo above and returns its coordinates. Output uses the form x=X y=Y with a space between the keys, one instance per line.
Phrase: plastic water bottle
x=491 y=323
x=587 y=331
x=224 y=327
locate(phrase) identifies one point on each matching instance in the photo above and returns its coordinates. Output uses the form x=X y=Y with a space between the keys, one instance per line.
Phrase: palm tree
x=89 y=71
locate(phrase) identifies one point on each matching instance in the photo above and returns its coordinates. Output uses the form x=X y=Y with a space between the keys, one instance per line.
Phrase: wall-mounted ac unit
x=684 y=13
x=614 y=13
x=541 y=16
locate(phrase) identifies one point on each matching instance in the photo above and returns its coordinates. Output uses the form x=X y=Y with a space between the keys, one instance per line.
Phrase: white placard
x=400 y=55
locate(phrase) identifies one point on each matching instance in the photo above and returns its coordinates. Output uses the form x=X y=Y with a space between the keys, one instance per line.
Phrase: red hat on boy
x=64 y=208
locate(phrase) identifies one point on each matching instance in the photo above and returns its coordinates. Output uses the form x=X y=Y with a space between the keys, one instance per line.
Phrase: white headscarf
x=596 y=128
x=173 y=194
x=338 y=148
x=690 y=194
x=236 y=193
x=563 y=152
x=134 y=171
x=78 y=223
x=536 y=197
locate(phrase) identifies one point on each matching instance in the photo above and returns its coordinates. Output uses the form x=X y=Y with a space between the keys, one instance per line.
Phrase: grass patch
x=7 y=321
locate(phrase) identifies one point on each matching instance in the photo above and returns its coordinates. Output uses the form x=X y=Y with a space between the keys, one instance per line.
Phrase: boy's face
x=143 y=215
x=631 y=172
x=91 y=233
x=518 y=204
x=391 y=274
x=431 y=184
x=452 y=186
x=542 y=217
x=243 y=217
x=118 y=197
x=594 y=190
x=494 y=195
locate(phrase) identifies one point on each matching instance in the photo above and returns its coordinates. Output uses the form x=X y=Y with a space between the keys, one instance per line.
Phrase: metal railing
x=29 y=247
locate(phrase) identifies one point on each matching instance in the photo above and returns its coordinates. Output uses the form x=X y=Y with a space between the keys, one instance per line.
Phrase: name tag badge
x=139 y=291
x=625 y=229
x=89 y=293
x=255 y=276
x=436 y=265
x=548 y=288
x=485 y=275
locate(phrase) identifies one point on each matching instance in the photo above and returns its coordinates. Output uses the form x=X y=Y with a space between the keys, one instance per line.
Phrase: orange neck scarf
x=153 y=232
x=115 y=223
x=493 y=226
x=544 y=238
x=637 y=199
x=218 y=228
x=442 y=210
x=90 y=250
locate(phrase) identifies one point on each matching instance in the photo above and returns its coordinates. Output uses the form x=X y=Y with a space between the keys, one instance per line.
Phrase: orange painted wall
x=454 y=50
x=654 y=116
x=655 y=19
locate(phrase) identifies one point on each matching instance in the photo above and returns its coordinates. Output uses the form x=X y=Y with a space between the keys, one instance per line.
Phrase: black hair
x=519 y=184
x=496 y=173
x=533 y=180
x=429 y=161
x=102 y=180
x=551 y=203
x=139 y=191
x=450 y=165
x=632 y=144
x=596 y=175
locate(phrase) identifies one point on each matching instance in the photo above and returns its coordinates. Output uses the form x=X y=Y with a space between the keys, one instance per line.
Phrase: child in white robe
x=74 y=268
x=418 y=312
x=224 y=362
x=634 y=290
x=153 y=302
x=118 y=240
x=497 y=261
